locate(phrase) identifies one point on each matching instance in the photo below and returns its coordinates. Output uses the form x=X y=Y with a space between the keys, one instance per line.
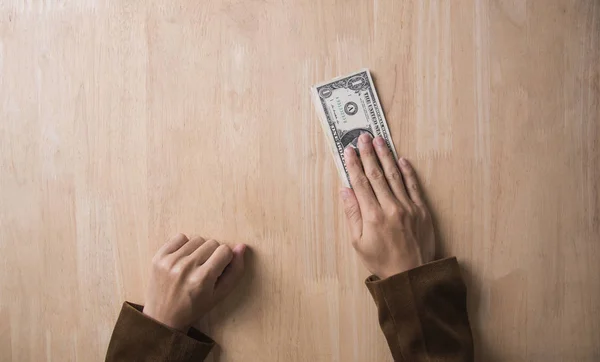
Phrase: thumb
x=232 y=273
x=352 y=211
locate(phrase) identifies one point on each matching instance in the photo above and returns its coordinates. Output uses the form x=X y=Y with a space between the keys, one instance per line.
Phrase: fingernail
x=349 y=151
x=365 y=138
x=379 y=142
x=403 y=161
x=241 y=248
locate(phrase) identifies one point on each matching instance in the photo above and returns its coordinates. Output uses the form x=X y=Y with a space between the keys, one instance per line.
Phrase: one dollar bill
x=348 y=107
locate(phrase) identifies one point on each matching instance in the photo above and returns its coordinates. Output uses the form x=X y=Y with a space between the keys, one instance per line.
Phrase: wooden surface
x=124 y=122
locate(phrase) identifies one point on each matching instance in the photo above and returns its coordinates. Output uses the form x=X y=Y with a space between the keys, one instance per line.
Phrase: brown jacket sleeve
x=423 y=313
x=137 y=337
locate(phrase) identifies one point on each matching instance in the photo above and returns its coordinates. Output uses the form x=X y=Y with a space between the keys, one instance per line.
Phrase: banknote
x=348 y=106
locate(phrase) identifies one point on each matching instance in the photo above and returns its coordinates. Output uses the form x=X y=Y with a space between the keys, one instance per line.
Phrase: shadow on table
x=474 y=286
x=230 y=308
x=483 y=351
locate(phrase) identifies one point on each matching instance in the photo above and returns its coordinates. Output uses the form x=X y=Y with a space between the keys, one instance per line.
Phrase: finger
x=360 y=182
x=217 y=262
x=412 y=184
x=352 y=211
x=373 y=171
x=173 y=244
x=189 y=247
x=391 y=170
x=232 y=274
x=201 y=254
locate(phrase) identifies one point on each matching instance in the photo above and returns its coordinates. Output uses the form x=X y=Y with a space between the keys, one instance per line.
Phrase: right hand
x=390 y=224
x=189 y=277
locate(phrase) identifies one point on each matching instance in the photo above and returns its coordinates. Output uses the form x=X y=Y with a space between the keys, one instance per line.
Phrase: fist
x=189 y=277
x=390 y=224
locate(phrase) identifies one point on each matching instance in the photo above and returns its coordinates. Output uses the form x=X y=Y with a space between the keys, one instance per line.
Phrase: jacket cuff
x=136 y=335
x=409 y=292
x=423 y=309
x=424 y=275
x=192 y=333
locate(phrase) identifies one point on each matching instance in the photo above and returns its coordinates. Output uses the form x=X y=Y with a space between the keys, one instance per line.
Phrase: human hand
x=189 y=277
x=390 y=224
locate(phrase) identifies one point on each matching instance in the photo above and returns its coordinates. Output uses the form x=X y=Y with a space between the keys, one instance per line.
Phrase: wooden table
x=123 y=122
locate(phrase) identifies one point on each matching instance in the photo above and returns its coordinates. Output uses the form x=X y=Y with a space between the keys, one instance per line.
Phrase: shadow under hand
x=240 y=294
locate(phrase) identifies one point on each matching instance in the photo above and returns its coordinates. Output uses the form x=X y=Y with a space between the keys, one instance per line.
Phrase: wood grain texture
x=123 y=122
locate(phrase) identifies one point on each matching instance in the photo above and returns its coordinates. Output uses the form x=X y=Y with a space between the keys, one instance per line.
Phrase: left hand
x=189 y=277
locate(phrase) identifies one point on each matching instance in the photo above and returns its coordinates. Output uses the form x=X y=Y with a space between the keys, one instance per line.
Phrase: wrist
x=167 y=322
x=398 y=269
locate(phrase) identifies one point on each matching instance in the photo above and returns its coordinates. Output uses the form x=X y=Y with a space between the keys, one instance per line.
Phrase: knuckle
x=162 y=264
x=375 y=174
x=362 y=181
x=394 y=175
x=397 y=211
x=177 y=269
x=195 y=280
x=415 y=186
x=352 y=212
x=375 y=217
